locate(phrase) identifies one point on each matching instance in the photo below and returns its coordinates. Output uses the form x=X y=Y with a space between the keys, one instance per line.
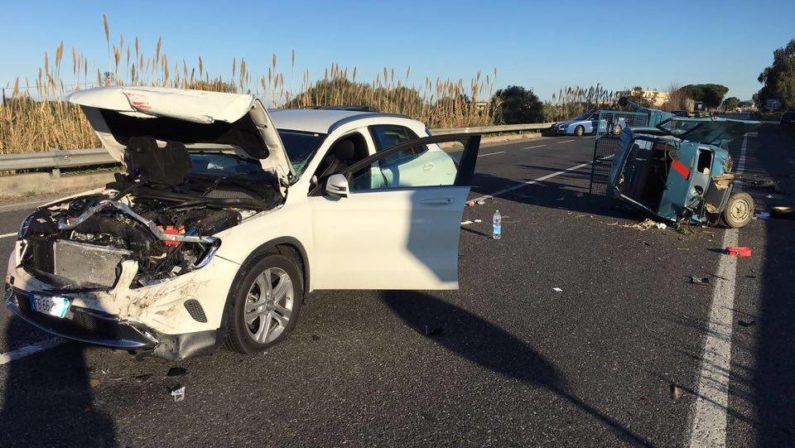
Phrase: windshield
x=581 y=117
x=679 y=127
x=300 y=147
x=221 y=164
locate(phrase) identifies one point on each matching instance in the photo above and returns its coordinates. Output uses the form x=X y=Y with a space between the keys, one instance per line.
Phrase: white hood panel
x=194 y=106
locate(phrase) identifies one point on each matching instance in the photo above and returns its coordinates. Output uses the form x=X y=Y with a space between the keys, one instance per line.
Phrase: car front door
x=397 y=233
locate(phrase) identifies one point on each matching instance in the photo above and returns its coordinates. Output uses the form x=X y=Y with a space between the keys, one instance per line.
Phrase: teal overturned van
x=681 y=171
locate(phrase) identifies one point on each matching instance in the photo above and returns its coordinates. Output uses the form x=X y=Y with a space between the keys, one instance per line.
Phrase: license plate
x=51 y=305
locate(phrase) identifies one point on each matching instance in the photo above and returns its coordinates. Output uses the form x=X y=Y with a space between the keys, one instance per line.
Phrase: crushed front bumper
x=82 y=324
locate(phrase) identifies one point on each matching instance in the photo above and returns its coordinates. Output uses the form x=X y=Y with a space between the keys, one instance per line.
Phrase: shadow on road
x=48 y=399
x=560 y=193
x=774 y=377
x=490 y=347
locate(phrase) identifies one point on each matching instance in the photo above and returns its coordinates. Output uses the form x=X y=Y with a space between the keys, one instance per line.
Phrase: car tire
x=739 y=210
x=579 y=131
x=258 y=315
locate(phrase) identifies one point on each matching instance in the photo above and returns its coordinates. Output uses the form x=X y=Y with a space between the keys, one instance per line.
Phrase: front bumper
x=82 y=324
x=98 y=328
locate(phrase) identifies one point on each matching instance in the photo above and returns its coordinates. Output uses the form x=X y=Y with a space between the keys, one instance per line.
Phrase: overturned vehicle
x=223 y=212
x=681 y=171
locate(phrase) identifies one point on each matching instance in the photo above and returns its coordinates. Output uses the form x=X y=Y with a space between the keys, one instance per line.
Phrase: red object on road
x=736 y=251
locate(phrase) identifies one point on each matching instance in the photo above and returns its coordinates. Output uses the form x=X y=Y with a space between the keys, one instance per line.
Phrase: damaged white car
x=227 y=216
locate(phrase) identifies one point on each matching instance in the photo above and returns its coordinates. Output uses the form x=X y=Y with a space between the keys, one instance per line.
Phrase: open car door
x=402 y=234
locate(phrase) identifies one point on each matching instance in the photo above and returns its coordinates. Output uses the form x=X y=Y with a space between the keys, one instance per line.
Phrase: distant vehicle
x=788 y=118
x=699 y=109
x=587 y=123
x=681 y=171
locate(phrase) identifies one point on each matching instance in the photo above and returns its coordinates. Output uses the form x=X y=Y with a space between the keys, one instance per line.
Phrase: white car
x=228 y=215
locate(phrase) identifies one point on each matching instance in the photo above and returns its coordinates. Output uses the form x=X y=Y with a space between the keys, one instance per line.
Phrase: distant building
x=654 y=97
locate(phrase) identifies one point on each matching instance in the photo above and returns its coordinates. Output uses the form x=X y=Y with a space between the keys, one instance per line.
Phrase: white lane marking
x=8 y=235
x=28 y=350
x=533 y=147
x=565 y=141
x=534 y=181
x=490 y=154
x=710 y=413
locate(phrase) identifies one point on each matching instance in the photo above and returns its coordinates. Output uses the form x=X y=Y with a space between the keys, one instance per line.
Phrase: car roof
x=321 y=121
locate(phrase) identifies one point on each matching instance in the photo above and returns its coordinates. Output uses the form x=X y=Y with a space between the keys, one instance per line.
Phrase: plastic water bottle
x=497 y=227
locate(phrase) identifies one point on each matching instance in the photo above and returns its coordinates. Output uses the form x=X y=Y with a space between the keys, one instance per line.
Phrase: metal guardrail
x=492 y=129
x=57 y=159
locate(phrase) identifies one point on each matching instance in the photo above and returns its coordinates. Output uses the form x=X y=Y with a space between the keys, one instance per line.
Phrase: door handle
x=437 y=201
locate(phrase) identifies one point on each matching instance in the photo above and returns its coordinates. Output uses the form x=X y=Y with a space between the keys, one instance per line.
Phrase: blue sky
x=541 y=45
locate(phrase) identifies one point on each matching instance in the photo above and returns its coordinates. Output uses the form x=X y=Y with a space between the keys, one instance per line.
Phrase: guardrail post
x=56 y=169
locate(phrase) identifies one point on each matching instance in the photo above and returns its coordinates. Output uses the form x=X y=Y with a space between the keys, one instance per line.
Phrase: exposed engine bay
x=162 y=214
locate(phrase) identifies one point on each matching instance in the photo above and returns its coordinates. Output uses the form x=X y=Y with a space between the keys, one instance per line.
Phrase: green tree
x=779 y=78
x=711 y=94
x=515 y=105
x=731 y=103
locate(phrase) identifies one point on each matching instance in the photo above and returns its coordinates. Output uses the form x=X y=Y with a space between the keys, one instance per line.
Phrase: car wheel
x=579 y=131
x=739 y=210
x=264 y=305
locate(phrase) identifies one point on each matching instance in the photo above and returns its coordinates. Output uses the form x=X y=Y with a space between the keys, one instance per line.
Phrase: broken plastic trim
x=64 y=225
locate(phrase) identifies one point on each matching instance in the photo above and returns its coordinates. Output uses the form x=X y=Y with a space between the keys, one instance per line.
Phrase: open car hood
x=193 y=117
x=710 y=131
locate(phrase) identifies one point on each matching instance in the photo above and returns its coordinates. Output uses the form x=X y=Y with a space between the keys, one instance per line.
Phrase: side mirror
x=337 y=185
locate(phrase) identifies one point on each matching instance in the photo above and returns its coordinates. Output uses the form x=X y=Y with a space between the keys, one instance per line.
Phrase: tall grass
x=574 y=100
x=34 y=117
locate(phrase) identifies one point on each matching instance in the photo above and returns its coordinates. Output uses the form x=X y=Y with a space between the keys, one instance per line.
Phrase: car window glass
x=387 y=136
x=300 y=146
x=426 y=166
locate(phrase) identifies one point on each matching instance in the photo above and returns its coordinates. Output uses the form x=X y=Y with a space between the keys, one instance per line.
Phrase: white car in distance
x=228 y=215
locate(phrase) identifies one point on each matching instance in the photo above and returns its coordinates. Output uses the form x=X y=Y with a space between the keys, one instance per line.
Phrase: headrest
x=345 y=150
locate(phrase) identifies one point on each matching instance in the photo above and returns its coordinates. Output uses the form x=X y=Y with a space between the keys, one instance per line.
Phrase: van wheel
x=579 y=131
x=739 y=210
x=264 y=305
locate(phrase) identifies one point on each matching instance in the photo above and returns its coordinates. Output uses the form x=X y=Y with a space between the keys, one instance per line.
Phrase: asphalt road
x=509 y=361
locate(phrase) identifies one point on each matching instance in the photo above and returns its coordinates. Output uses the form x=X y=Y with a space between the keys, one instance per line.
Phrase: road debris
x=676 y=392
x=481 y=202
x=746 y=323
x=556 y=289
x=699 y=280
x=738 y=251
x=646 y=224
x=470 y=203
x=144 y=377
x=93 y=382
x=176 y=371
x=478 y=221
x=762 y=215
x=467 y=222
x=783 y=211
x=178 y=392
